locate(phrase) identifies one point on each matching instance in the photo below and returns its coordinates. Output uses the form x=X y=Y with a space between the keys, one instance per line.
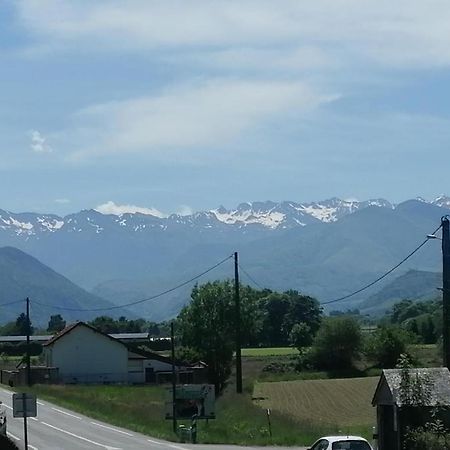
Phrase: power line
x=250 y=277
x=153 y=297
x=11 y=303
x=367 y=286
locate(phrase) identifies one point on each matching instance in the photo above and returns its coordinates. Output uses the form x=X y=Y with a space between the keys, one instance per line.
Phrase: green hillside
x=23 y=276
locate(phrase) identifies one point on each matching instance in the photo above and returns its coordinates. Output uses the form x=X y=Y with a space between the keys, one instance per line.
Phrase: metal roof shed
x=395 y=413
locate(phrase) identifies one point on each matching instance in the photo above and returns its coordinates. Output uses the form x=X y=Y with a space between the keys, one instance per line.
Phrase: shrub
x=337 y=343
x=385 y=346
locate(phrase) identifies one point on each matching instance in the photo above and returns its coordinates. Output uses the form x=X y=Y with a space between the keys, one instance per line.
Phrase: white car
x=341 y=443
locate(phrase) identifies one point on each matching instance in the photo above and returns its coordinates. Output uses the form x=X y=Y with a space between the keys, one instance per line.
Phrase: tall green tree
x=207 y=325
x=56 y=324
x=22 y=324
x=281 y=311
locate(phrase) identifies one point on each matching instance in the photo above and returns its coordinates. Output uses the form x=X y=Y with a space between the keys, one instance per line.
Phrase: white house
x=84 y=354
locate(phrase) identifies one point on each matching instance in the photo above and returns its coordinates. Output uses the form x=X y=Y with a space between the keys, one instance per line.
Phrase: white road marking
x=12 y=435
x=32 y=447
x=110 y=428
x=80 y=437
x=40 y=403
x=34 y=418
x=7 y=406
x=163 y=444
x=66 y=413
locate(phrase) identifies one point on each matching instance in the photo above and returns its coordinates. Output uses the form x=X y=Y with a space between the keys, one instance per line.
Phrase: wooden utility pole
x=174 y=380
x=237 y=300
x=28 y=361
x=446 y=290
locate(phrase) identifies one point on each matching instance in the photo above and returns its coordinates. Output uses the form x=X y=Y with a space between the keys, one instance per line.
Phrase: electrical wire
x=153 y=297
x=250 y=277
x=11 y=303
x=367 y=286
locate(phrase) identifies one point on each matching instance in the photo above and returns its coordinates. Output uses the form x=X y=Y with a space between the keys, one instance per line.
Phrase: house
x=84 y=354
x=394 y=414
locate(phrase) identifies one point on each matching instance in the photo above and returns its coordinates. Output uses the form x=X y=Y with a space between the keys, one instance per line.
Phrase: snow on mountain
x=442 y=201
x=262 y=216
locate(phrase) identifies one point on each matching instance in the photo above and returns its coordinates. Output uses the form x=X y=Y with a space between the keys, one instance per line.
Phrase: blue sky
x=186 y=105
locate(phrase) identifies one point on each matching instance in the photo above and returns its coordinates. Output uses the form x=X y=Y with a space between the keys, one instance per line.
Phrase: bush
x=337 y=343
x=424 y=438
x=385 y=346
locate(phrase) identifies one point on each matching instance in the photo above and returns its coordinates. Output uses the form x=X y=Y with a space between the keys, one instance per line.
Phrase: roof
x=69 y=328
x=33 y=338
x=130 y=336
x=437 y=379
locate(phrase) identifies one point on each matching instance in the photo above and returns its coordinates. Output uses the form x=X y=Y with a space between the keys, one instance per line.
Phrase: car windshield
x=350 y=445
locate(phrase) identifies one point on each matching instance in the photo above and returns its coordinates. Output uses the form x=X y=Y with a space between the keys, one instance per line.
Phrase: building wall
x=86 y=356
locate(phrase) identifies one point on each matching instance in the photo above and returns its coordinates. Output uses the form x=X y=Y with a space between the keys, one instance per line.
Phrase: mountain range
x=327 y=249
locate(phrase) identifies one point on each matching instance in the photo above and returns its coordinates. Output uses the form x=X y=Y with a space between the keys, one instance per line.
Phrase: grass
x=344 y=404
x=301 y=410
x=240 y=421
x=269 y=351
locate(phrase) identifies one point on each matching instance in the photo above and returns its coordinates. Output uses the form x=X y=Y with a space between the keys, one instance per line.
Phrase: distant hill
x=414 y=285
x=23 y=276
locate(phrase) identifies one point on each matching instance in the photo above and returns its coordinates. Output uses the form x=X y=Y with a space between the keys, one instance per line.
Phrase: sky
x=185 y=105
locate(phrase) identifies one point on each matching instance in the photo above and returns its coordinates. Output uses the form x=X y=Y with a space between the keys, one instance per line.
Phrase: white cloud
x=112 y=208
x=185 y=210
x=206 y=115
x=62 y=201
x=39 y=143
x=405 y=32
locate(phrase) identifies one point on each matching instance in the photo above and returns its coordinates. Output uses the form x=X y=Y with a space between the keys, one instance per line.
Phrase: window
x=350 y=445
x=320 y=445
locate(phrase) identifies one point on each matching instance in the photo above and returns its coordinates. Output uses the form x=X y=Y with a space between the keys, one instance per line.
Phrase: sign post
x=24 y=405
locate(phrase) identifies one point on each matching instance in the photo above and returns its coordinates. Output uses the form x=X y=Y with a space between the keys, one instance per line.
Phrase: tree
x=386 y=345
x=337 y=343
x=301 y=336
x=207 y=325
x=56 y=324
x=105 y=324
x=22 y=325
x=280 y=312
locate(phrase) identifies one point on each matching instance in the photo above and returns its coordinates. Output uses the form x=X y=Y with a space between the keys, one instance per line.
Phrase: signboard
x=191 y=400
x=24 y=405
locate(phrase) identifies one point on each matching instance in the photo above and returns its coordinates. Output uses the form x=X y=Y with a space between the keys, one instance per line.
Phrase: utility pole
x=28 y=344
x=174 y=380
x=446 y=289
x=237 y=300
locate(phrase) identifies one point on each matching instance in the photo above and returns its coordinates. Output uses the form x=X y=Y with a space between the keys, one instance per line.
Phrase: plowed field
x=344 y=402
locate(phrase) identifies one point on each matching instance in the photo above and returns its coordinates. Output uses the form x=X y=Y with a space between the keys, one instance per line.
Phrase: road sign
x=190 y=400
x=24 y=405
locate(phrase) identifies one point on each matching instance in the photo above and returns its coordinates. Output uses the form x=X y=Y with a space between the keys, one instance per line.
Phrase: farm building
x=83 y=354
x=399 y=407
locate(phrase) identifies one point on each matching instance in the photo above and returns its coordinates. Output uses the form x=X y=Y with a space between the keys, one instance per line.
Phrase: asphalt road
x=57 y=428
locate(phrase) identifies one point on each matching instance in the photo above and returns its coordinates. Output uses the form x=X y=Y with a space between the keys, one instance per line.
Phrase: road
x=57 y=428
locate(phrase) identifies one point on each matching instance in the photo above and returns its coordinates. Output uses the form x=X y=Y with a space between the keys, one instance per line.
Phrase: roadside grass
x=140 y=408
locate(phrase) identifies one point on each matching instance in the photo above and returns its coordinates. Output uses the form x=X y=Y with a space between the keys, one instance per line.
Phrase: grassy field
x=301 y=410
x=341 y=403
x=269 y=351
